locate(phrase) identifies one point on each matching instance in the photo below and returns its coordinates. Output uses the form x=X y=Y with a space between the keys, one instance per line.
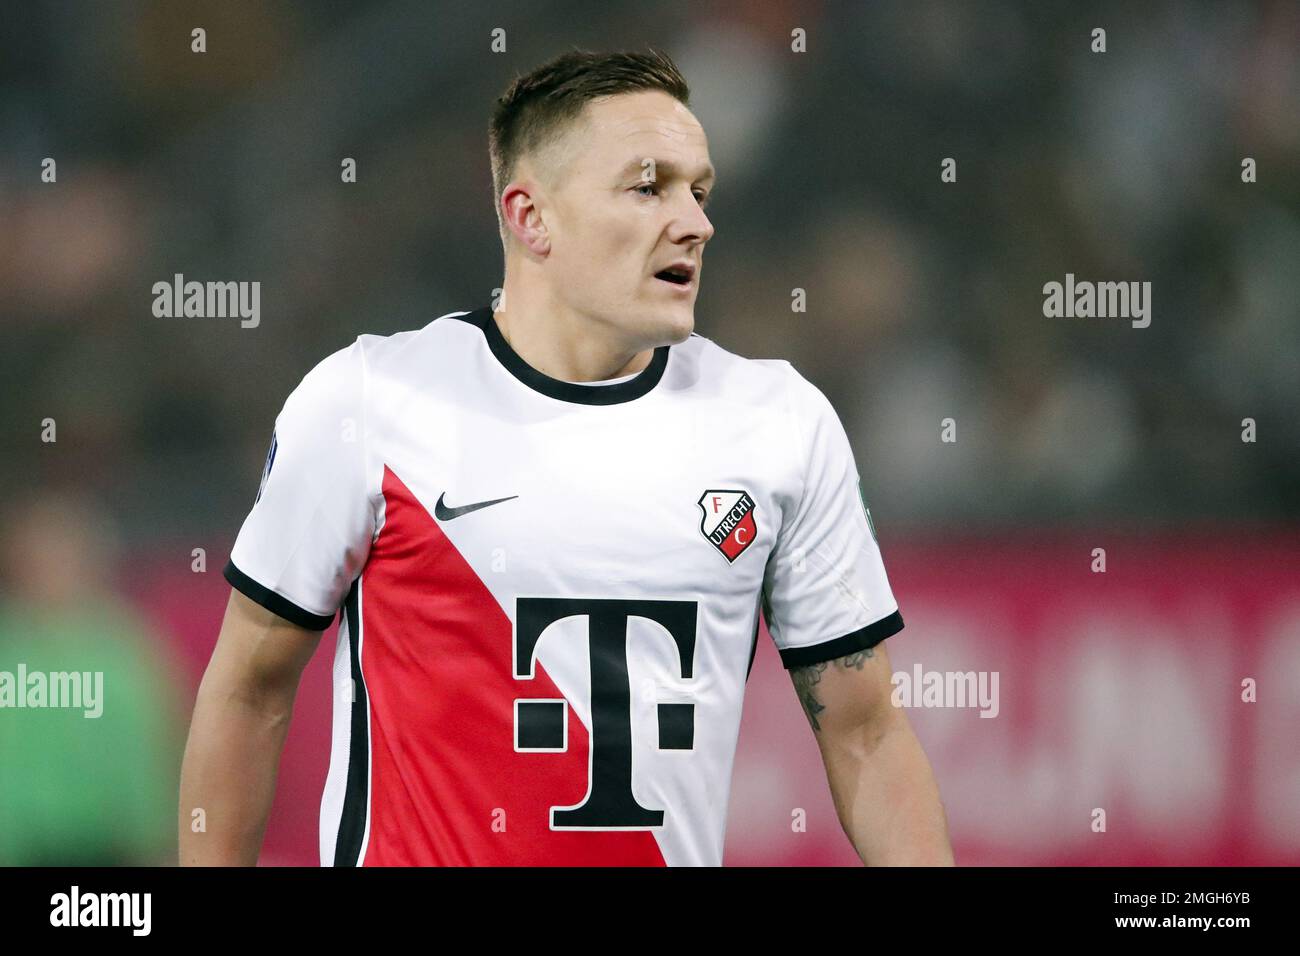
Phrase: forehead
x=646 y=123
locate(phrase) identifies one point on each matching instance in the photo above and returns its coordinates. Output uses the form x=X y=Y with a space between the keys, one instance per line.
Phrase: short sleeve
x=825 y=592
x=309 y=532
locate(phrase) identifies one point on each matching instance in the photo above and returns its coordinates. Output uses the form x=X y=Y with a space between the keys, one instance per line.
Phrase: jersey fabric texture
x=549 y=592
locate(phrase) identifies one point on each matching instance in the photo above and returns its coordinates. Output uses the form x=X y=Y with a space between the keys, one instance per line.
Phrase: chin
x=677 y=325
x=654 y=324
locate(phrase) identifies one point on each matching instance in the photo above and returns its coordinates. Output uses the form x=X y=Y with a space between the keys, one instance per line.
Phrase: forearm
x=887 y=798
x=229 y=773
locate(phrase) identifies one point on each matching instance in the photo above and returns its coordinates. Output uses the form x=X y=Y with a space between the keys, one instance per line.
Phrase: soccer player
x=547 y=529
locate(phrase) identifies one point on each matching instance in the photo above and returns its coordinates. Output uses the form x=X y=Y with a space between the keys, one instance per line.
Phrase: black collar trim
x=611 y=394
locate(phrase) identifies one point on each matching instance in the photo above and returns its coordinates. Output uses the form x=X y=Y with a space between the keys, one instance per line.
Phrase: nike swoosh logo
x=443 y=513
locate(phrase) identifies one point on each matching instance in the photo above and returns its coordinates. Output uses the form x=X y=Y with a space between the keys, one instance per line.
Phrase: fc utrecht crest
x=728 y=521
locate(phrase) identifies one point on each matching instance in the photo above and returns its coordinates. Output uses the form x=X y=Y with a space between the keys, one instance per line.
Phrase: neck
x=563 y=343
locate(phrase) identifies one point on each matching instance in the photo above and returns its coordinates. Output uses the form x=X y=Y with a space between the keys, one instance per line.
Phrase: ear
x=523 y=217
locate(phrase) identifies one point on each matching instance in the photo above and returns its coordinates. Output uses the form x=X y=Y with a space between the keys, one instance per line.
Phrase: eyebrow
x=668 y=168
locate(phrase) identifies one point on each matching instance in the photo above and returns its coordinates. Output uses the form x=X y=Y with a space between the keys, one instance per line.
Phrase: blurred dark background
x=924 y=298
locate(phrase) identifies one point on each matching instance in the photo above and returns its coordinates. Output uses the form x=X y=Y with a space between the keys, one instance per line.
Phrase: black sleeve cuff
x=275 y=603
x=859 y=640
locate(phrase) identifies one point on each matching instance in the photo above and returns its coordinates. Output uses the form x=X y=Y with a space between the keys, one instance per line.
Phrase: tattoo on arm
x=806 y=680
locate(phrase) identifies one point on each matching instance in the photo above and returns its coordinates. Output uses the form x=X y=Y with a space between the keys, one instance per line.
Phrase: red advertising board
x=1144 y=714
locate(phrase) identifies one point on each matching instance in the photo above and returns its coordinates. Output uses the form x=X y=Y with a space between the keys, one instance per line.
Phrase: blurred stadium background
x=1119 y=690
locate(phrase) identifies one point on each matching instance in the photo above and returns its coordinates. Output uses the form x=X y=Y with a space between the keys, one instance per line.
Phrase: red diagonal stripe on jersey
x=436 y=661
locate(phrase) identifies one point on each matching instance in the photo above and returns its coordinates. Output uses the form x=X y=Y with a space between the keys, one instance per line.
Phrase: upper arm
x=828 y=602
x=310 y=529
x=258 y=652
x=847 y=696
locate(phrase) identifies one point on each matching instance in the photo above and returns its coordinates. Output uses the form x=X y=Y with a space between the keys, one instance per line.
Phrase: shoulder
x=413 y=355
x=736 y=376
x=771 y=383
x=347 y=368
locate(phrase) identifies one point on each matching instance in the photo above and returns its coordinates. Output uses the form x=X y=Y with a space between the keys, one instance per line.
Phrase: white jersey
x=549 y=592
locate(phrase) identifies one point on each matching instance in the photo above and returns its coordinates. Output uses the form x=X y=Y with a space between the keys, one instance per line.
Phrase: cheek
x=617 y=247
x=609 y=243
x=622 y=232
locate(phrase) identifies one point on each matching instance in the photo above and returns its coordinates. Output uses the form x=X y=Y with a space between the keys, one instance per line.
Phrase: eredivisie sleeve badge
x=867 y=511
x=266 y=469
x=728 y=521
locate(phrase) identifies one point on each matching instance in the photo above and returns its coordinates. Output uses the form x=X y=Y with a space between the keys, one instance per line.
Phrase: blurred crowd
x=924 y=298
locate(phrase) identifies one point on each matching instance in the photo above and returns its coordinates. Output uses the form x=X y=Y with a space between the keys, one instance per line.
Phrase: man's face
x=628 y=206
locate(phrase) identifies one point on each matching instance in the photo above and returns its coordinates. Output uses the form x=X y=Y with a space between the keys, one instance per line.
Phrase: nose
x=691 y=224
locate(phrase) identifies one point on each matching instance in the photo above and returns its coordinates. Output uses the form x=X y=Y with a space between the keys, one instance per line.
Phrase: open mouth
x=676 y=276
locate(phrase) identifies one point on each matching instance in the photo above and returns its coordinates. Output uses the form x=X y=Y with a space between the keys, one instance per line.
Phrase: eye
x=701 y=196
